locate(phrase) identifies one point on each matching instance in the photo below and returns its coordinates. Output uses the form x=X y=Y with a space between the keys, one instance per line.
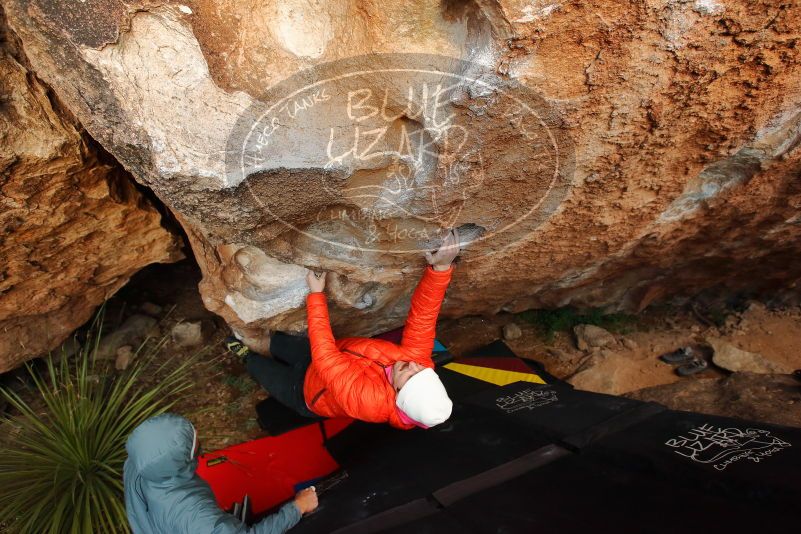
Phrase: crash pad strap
x=420 y=508
x=498 y=475
x=400 y=515
x=498 y=377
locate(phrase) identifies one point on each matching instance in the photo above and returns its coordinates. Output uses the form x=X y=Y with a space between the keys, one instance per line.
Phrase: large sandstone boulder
x=73 y=228
x=604 y=153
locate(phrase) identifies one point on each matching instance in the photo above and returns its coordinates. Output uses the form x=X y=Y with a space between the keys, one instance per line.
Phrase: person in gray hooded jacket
x=164 y=495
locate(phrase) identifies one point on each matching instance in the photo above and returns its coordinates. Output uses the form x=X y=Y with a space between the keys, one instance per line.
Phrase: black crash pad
x=581 y=493
x=745 y=461
x=571 y=417
x=550 y=459
x=388 y=468
x=632 y=471
x=671 y=472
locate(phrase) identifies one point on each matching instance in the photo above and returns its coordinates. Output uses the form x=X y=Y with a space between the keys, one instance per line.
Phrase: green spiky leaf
x=62 y=459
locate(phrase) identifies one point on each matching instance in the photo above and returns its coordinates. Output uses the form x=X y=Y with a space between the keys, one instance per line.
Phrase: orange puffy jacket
x=348 y=378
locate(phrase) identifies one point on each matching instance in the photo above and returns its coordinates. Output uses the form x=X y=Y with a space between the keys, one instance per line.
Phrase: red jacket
x=347 y=378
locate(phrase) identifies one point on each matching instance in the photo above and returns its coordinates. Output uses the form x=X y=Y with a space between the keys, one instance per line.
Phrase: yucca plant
x=62 y=451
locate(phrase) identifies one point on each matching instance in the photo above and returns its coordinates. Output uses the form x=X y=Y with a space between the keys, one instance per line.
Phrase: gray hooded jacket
x=163 y=495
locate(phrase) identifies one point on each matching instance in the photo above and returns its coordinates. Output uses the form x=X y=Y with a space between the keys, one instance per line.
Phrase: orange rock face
x=594 y=153
x=73 y=228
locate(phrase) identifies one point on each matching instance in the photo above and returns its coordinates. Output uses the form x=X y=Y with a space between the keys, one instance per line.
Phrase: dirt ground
x=221 y=405
x=633 y=364
x=222 y=402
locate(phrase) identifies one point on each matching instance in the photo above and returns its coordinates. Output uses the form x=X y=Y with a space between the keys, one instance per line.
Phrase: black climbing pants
x=283 y=374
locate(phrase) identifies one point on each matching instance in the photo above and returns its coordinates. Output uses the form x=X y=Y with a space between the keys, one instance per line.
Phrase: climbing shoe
x=236 y=347
x=695 y=366
x=678 y=357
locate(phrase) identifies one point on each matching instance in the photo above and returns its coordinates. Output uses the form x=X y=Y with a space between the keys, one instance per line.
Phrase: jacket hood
x=161 y=448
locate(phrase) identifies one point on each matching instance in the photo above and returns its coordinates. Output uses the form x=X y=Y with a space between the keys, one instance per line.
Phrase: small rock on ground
x=132 y=332
x=188 y=334
x=125 y=355
x=733 y=359
x=558 y=354
x=589 y=336
x=511 y=332
x=590 y=379
x=151 y=309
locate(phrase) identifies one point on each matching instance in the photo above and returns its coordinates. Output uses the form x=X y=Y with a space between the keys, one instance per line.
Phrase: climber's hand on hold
x=316 y=281
x=446 y=253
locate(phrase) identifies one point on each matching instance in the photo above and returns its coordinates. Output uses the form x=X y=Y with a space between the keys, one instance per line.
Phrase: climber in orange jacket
x=369 y=379
x=376 y=380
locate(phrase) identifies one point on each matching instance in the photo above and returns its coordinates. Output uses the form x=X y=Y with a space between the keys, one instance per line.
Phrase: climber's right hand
x=441 y=259
x=315 y=281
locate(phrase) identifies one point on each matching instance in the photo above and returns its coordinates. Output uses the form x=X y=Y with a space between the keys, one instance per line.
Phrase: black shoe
x=678 y=357
x=695 y=366
x=236 y=347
